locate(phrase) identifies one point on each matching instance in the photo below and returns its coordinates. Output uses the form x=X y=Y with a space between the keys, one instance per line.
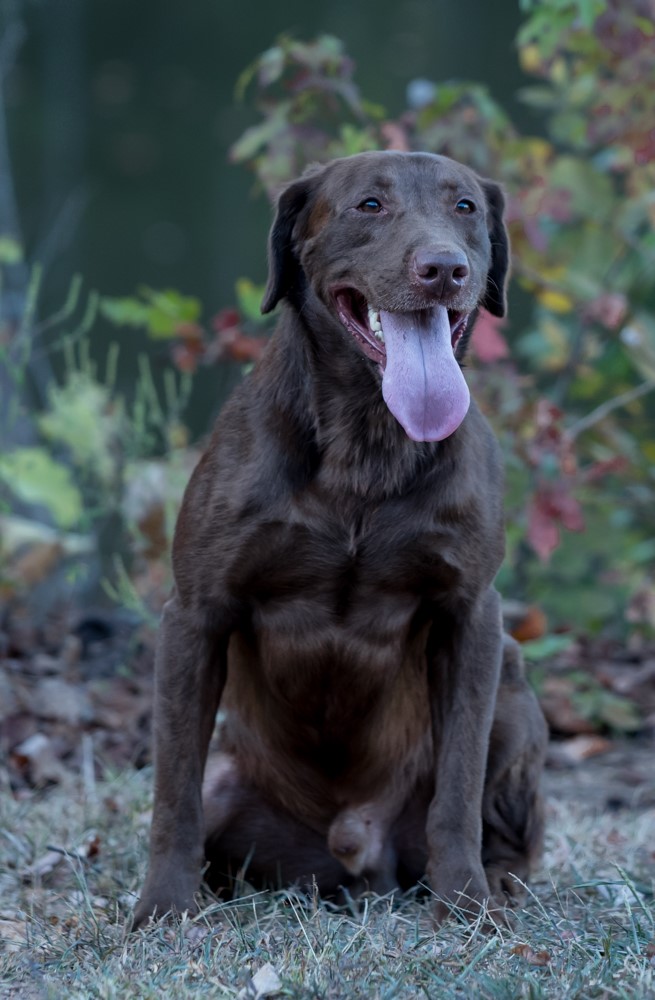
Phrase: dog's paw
x=149 y=910
x=167 y=897
x=488 y=912
x=465 y=893
x=505 y=888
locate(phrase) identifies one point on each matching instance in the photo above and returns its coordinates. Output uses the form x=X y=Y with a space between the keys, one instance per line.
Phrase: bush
x=568 y=388
x=568 y=391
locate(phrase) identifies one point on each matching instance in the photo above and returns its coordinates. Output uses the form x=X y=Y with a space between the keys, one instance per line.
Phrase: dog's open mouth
x=363 y=322
x=422 y=382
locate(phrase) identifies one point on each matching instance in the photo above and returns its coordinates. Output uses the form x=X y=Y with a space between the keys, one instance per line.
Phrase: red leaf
x=605 y=467
x=548 y=417
x=225 y=319
x=190 y=332
x=552 y=505
x=395 y=136
x=543 y=532
x=245 y=349
x=185 y=358
x=488 y=342
x=609 y=309
x=569 y=511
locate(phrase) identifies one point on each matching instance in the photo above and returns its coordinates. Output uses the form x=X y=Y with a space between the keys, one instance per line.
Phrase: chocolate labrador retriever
x=334 y=562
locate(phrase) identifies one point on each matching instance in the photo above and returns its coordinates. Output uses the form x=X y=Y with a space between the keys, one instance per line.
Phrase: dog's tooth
x=374 y=321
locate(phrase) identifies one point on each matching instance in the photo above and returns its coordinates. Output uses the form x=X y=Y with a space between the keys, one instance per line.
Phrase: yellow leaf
x=552 y=273
x=558 y=71
x=555 y=301
x=530 y=59
x=540 y=151
x=556 y=336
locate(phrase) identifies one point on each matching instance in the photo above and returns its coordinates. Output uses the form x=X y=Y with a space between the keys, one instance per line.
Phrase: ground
x=75 y=706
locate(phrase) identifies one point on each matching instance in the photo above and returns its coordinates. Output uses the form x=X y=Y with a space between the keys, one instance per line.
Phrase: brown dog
x=334 y=561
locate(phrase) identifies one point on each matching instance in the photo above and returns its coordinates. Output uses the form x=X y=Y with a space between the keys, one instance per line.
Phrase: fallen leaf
x=53 y=857
x=43 y=866
x=37 y=563
x=531 y=957
x=37 y=760
x=264 y=983
x=556 y=700
x=57 y=699
x=577 y=749
x=533 y=625
x=13 y=934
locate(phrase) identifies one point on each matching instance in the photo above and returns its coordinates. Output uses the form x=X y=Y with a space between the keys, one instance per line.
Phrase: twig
x=88 y=768
x=607 y=407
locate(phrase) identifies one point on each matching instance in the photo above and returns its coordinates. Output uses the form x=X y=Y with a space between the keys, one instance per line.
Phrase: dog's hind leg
x=247 y=838
x=512 y=810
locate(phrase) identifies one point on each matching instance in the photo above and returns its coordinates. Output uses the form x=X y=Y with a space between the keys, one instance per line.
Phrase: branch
x=605 y=408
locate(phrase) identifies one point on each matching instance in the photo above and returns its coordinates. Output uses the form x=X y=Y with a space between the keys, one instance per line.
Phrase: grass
x=587 y=931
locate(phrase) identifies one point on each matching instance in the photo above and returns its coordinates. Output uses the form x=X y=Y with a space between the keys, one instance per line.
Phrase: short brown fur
x=334 y=590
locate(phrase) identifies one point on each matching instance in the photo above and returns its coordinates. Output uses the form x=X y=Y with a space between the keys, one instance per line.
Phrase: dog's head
x=400 y=249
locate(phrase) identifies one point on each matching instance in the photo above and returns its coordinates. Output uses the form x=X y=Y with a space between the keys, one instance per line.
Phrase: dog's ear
x=283 y=264
x=495 y=300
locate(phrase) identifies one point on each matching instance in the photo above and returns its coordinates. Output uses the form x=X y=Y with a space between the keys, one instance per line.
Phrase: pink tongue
x=422 y=384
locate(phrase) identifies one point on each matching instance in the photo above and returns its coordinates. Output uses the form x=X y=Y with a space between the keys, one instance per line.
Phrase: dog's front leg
x=464 y=667
x=190 y=672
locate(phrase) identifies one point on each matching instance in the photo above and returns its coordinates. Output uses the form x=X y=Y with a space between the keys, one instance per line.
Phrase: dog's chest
x=352 y=572
x=338 y=614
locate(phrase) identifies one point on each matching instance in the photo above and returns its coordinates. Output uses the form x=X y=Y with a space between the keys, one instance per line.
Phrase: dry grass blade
x=586 y=931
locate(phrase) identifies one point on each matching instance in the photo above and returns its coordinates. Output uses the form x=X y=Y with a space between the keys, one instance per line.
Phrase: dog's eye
x=371 y=205
x=465 y=206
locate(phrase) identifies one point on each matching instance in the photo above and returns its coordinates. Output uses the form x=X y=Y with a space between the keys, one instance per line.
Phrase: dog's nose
x=441 y=272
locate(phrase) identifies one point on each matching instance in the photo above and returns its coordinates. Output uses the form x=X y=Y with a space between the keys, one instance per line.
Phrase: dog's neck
x=337 y=403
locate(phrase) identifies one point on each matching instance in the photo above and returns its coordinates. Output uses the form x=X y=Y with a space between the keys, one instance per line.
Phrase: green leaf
x=590 y=190
x=34 y=477
x=353 y=140
x=125 y=311
x=11 y=252
x=249 y=299
x=638 y=339
x=161 y=314
x=645 y=25
x=168 y=311
x=619 y=713
x=80 y=417
x=271 y=65
x=589 y=10
x=547 y=646
x=257 y=137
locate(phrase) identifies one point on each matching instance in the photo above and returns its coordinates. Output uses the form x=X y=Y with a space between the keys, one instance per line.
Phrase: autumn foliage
x=568 y=381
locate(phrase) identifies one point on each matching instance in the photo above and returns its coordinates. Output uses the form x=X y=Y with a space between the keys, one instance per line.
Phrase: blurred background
x=120 y=118
x=141 y=147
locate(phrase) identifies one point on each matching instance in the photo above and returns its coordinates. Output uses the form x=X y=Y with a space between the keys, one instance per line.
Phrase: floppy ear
x=495 y=300
x=283 y=264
